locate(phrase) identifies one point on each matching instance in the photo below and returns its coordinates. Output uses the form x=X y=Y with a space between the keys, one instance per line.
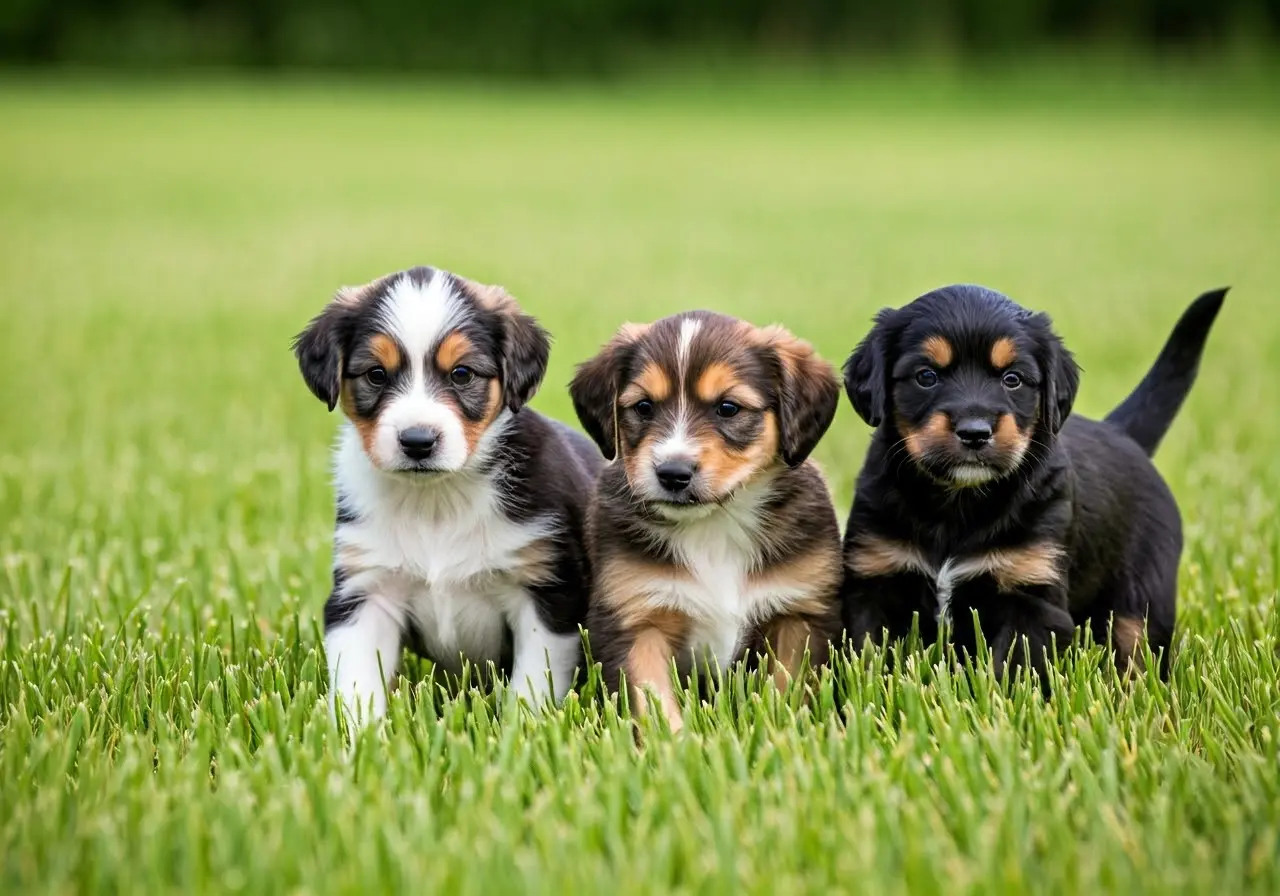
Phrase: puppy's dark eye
x=376 y=376
x=726 y=409
x=461 y=376
x=643 y=408
x=1011 y=380
x=927 y=378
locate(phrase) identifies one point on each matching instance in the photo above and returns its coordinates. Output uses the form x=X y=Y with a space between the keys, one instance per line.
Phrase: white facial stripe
x=689 y=328
x=420 y=316
x=676 y=445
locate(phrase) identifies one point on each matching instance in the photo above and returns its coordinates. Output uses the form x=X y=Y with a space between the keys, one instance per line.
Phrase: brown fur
x=1032 y=564
x=1128 y=634
x=938 y=350
x=818 y=569
x=648 y=671
x=1009 y=439
x=453 y=349
x=874 y=556
x=786 y=640
x=1004 y=351
x=367 y=427
x=716 y=381
x=786 y=396
x=727 y=468
x=935 y=432
x=474 y=430
x=652 y=383
x=536 y=563
x=624 y=578
x=490 y=296
x=384 y=348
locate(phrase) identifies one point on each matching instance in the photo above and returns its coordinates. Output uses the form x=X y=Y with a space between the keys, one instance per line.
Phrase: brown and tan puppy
x=712 y=537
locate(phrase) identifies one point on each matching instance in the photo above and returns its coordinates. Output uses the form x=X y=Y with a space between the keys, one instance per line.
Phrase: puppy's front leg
x=1027 y=624
x=1020 y=596
x=881 y=608
x=1027 y=639
x=648 y=670
x=544 y=659
x=786 y=640
x=362 y=641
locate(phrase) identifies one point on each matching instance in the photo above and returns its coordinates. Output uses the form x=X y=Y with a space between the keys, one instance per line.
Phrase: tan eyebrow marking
x=1003 y=353
x=453 y=348
x=652 y=383
x=715 y=381
x=385 y=350
x=938 y=350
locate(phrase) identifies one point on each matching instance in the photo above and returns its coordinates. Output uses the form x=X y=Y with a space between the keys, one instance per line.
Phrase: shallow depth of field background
x=165 y=506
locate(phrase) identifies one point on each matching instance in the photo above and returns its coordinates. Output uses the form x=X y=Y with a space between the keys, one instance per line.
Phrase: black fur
x=1146 y=414
x=1084 y=488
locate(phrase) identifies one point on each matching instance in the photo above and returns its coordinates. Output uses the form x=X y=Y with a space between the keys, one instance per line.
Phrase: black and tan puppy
x=712 y=536
x=981 y=492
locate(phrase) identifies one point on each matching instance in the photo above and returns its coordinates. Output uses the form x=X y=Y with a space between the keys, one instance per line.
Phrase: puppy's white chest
x=444 y=557
x=714 y=589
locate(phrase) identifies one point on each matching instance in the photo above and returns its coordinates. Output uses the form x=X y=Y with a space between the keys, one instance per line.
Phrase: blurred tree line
x=550 y=36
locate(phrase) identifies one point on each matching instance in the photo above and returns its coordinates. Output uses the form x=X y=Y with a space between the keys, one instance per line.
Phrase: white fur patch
x=972 y=474
x=544 y=661
x=689 y=328
x=677 y=446
x=363 y=655
x=419 y=317
x=719 y=549
x=436 y=552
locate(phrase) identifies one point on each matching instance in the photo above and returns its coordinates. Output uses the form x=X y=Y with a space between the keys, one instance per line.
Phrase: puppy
x=981 y=492
x=460 y=512
x=713 y=538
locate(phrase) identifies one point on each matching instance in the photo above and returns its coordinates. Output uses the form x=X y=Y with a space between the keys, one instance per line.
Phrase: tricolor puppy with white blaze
x=712 y=536
x=460 y=512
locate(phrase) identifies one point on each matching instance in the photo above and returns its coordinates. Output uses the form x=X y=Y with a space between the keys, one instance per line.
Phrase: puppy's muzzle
x=974 y=432
x=418 y=442
x=675 y=476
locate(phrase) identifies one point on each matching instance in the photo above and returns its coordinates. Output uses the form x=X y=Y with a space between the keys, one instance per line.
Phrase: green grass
x=165 y=509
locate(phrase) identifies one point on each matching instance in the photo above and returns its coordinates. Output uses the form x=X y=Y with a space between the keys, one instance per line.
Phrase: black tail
x=1149 y=410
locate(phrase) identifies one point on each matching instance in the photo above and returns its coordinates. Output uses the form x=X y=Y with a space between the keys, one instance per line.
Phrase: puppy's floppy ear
x=524 y=358
x=594 y=389
x=319 y=348
x=526 y=346
x=808 y=393
x=1059 y=378
x=868 y=370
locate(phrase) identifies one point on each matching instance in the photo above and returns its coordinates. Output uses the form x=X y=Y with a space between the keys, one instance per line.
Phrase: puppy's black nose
x=675 y=475
x=974 y=432
x=418 y=442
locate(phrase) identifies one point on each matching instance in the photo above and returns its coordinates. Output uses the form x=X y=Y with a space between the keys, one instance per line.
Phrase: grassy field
x=165 y=508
